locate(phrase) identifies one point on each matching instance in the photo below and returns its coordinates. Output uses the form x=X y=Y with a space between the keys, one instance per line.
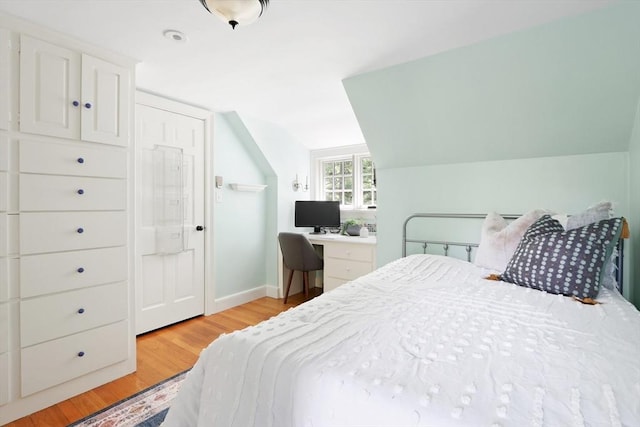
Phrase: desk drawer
x=66 y=231
x=54 y=362
x=349 y=251
x=48 y=317
x=79 y=159
x=345 y=269
x=68 y=193
x=64 y=271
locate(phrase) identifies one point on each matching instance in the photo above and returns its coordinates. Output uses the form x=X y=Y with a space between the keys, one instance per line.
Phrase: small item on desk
x=364 y=231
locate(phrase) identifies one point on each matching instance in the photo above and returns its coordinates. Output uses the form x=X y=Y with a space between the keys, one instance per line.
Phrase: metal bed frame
x=468 y=246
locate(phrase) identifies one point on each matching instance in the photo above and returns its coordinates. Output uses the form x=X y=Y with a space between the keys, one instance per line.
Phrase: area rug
x=146 y=408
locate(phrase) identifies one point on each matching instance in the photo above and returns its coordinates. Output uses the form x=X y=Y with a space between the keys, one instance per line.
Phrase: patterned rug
x=146 y=408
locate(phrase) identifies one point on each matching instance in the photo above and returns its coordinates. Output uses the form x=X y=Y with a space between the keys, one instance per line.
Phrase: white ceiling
x=286 y=68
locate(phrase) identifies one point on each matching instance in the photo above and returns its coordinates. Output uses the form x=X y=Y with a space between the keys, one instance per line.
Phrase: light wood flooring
x=160 y=355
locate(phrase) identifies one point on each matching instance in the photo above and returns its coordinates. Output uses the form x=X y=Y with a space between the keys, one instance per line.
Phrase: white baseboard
x=243 y=297
x=272 y=291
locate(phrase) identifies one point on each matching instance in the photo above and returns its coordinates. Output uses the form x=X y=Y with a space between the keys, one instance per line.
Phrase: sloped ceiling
x=569 y=87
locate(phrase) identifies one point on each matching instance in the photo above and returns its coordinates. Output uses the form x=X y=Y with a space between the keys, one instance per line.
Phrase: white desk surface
x=328 y=237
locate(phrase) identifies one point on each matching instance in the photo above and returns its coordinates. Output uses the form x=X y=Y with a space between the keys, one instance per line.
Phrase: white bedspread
x=424 y=341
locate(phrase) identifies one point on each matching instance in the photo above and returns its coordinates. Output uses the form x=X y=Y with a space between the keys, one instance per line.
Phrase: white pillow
x=499 y=239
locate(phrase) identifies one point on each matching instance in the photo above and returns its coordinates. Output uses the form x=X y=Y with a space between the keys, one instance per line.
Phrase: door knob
x=199 y=228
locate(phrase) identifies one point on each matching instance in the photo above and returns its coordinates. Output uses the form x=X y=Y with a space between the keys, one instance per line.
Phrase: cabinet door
x=4 y=79
x=105 y=102
x=49 y=88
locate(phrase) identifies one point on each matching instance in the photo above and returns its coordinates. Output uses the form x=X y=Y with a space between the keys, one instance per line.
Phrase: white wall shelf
x=248 y=187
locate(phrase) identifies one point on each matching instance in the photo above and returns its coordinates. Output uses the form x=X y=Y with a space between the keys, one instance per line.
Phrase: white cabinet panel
x=54 y=362
x=65 y=193
x=105 y=102
x=67 y=231
x=4 y=327
x=77 y=159
x=64 y=271
x=52 y=316
x=49 y=88
x=4 y=378
x=5 y=99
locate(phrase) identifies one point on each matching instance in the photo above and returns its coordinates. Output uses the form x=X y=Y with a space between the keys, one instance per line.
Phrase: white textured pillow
x=499 y=239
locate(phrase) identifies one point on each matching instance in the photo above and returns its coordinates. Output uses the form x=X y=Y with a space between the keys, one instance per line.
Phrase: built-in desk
x=345 y=258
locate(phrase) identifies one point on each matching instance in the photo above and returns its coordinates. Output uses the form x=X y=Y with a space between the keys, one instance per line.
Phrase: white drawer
x=357 y=252
x=53 y=316
x=4 y=327
x=67 y=231
x=330 y=283
x=4 y=378
x=67 y=193
x=64 y=271
x=79 y=159
x=54 y=362
x=345 y=269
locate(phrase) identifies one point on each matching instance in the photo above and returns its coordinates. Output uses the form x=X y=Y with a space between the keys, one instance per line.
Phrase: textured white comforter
x=424 y=341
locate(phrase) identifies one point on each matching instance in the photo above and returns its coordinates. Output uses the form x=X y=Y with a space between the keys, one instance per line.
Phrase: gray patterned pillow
x=569 y=262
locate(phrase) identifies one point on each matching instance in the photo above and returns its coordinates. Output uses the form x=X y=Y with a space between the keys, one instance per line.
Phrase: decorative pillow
x=563 y=262
x=499 y=239
x=603 y=210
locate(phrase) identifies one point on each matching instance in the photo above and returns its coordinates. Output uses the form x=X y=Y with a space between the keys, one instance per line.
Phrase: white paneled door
x=170 y=219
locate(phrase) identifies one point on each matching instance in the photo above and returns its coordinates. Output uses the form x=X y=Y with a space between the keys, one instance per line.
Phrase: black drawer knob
x=80 y=311
x=80 y=230
x=75 y=103
x=80 y=270
x=80 y=160
x=199 y=227
x=87 y=105
x=80 y=353
x=81 y=191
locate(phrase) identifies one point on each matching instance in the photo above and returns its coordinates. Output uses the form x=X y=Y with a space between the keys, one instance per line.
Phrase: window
x=349 y=180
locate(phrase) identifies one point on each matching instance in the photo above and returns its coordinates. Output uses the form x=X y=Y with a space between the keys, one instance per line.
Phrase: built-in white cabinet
x=69 y=94
x=344 y=262
x=4 y=79
x=66 y=215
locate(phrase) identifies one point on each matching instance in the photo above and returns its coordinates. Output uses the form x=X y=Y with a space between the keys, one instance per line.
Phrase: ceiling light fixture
x=236 y=12
x=175 y=35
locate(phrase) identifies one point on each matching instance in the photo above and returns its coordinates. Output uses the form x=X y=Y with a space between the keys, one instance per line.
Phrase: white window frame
x=355 y=153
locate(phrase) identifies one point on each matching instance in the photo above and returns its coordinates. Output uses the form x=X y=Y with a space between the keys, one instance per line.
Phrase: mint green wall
x=287 y=157
x=634 y=196
x=239 y=219
x=538 y=118
x=566 y=184
x=568 y=87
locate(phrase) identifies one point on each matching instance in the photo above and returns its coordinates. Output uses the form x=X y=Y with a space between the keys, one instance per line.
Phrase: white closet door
x=49 y=89
x=170 y=286
x=105 y=103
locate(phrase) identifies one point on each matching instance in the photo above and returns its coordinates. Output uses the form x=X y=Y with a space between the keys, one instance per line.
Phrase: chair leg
x=286 y=294
x=305 y=279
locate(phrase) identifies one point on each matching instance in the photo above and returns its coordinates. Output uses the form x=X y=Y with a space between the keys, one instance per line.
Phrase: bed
x=425 y=340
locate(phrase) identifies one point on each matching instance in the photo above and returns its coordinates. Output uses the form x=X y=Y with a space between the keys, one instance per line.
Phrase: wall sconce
x=297 y=185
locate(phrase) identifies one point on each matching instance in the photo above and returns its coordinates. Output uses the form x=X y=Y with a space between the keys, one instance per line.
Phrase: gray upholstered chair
x=298 y=254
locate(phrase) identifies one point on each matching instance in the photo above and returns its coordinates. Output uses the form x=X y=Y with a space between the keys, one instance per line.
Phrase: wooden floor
x=161 y=354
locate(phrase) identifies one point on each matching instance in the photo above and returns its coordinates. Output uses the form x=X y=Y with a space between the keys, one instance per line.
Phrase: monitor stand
x=318 y=230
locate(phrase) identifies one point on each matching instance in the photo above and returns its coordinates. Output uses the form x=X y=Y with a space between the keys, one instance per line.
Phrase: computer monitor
x=317 y=214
